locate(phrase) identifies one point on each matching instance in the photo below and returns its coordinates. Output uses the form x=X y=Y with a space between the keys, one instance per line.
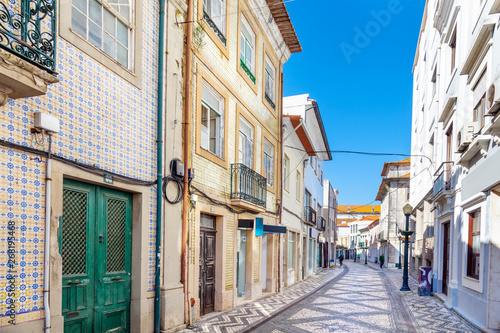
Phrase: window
x=212 y=123
x=479 y=112
x=286 y=170
x=270 y=83
x=269 y=162
x=297 y=187
x=474 y=245
x=433 y=80
x=107 y=25
x=321 y=178
x=290 y=250
x=247 y=51
x=214 y=13
x=453 y=46
x=246 y=143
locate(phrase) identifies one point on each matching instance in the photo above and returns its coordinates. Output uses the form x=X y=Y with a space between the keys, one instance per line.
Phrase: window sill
x=104 y=59
x=211 y=157
x=473 y=284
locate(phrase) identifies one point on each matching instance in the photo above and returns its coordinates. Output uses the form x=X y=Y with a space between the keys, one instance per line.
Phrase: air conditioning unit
x=473 y=129
x=492 y=105
x=464 y=139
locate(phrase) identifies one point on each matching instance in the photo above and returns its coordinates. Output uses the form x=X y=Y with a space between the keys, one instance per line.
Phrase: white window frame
x=246 y=143
x=247 y=46
x=286 y=171
x=270 y=80
x=268 y=162
x=473 y=204
x=206 y=131
x=132 y=74
x=297 y=186
x=216 y=14
x=291 y=261
x=107 y=9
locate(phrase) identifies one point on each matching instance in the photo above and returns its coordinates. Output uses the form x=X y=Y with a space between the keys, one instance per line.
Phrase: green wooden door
x=95 y=248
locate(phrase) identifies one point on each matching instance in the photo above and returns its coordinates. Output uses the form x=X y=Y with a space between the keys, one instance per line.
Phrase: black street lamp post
x=400 y=253
x=366 y=255
x=407 y=210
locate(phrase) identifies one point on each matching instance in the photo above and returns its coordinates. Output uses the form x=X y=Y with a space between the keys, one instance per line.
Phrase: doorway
x=207 y=263
x=241 y=263
x=263 y=274
x=446 y=257
x=95 y=239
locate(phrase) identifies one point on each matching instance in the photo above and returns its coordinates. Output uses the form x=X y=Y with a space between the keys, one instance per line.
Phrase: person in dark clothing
x=341 y=259
x=381 y=260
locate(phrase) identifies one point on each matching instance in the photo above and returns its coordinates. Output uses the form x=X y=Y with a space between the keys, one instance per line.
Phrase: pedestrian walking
x=341 y=259
x=381 y=260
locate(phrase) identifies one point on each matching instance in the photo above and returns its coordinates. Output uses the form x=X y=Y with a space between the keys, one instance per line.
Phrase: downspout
x=185 y=212
x=159 y=163
x=46 y=279
x=280 y=121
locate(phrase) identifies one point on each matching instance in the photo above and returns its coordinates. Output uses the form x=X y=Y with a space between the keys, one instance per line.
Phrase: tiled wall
x=105 y=122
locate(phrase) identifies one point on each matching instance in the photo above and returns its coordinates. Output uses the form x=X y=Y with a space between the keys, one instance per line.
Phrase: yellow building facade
x=235 y=151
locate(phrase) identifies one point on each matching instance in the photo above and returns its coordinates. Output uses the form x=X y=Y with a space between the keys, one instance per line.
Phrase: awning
x=274 y=229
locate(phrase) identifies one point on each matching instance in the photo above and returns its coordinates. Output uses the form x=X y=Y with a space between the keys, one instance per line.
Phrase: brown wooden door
x=207 y=270
x=446 y=257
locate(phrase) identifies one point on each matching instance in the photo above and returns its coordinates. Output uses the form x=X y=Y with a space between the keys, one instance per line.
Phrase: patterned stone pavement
x=364 y=298
x=242 y=317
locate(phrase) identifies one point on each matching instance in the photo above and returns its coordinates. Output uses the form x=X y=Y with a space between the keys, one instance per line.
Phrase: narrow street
x=357 y=298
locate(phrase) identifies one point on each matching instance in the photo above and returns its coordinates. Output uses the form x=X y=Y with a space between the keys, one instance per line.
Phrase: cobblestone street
x=358 y=298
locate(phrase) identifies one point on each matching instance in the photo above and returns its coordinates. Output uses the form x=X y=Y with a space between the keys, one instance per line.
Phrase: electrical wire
x=237 y=12
x=178 y=184
x=89 y=168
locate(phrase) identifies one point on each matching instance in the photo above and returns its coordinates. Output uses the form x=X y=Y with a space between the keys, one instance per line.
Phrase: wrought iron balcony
x=270 y=101
x=321 y=223
x=214 y=27
x=28 y=30
x=310 y=216
x=247 y=71
x=249 y=186
x=443 y=178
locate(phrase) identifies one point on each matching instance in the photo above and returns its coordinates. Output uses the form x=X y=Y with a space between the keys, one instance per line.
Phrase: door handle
x=116 y=278
x=75 y=282
x=101 y=239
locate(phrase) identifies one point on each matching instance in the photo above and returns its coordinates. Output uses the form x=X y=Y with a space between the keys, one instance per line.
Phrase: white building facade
x=456 y=127
x=306 y=120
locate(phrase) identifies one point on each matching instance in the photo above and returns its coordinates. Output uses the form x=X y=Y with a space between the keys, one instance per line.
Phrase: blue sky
x=357 y=63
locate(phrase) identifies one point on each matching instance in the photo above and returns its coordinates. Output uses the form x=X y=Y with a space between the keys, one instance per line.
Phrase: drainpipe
x=185 y=212
x=280 y=120
x=159 y=163
x=46 y=280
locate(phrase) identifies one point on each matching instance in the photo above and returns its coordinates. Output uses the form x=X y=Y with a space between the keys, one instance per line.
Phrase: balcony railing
x=310 y=215
x=214 y=27
x=270 y=101
x=248 y=185
x=443 y=178
x=28 y=30
x=321 y=223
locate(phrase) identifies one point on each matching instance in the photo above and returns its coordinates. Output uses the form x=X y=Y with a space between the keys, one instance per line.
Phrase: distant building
x=305 y=117
x=393 y=193
x=347 y=215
